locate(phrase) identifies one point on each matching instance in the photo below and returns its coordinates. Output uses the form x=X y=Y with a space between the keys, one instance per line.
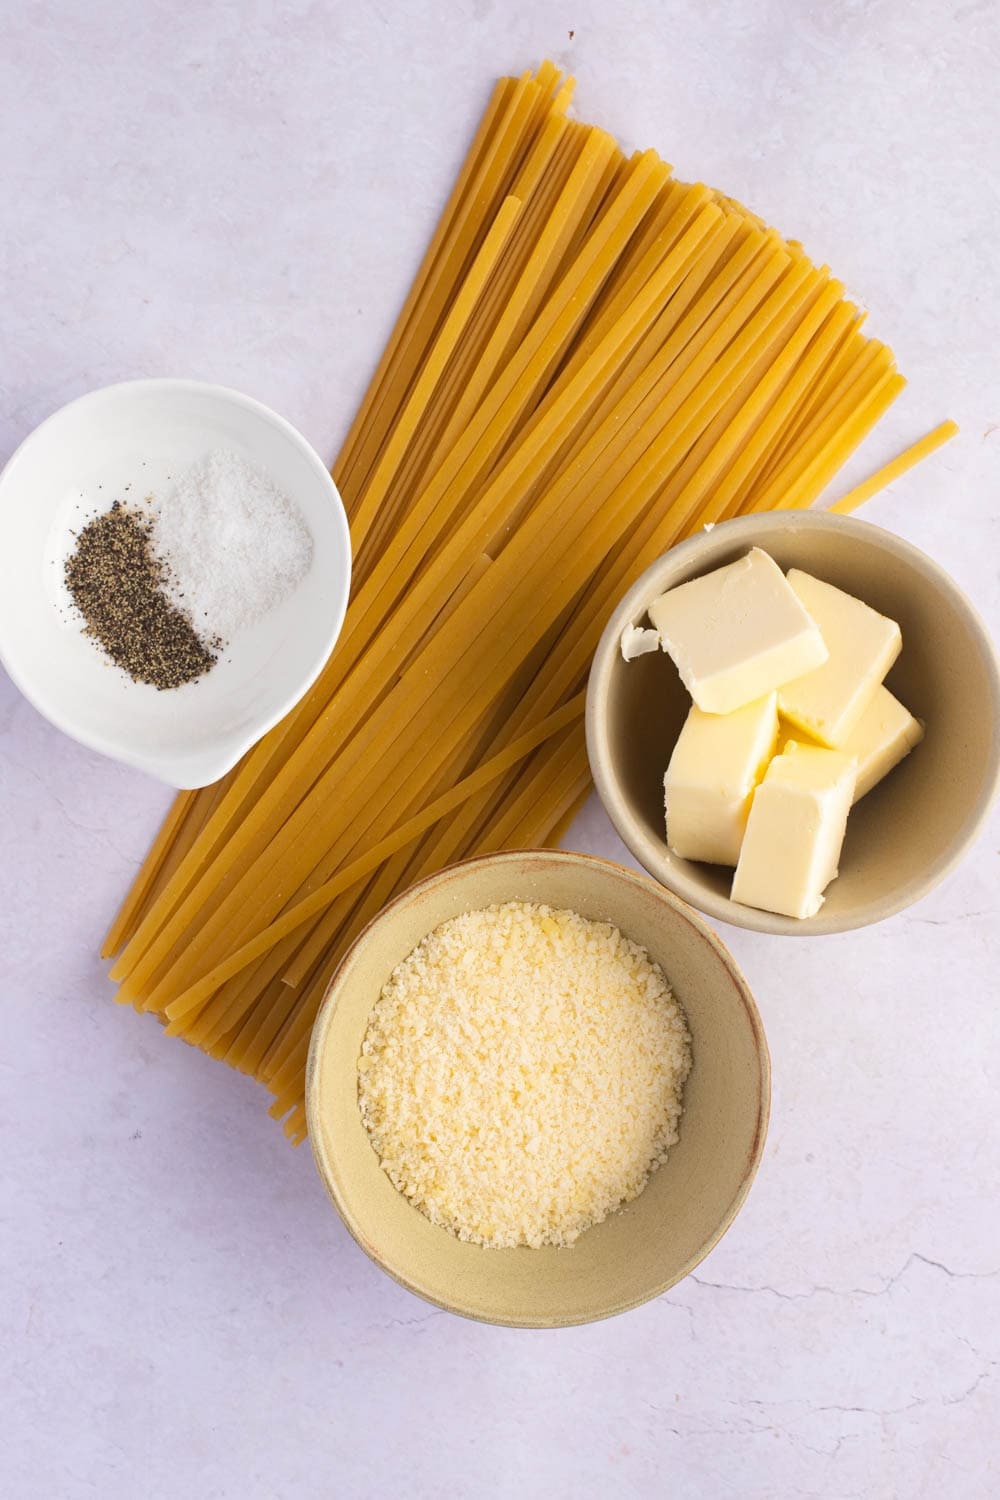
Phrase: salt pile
x=234 y=545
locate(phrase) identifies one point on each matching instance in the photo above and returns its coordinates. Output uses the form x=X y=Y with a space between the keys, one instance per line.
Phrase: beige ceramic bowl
x=688 y=1203
x=909 y=831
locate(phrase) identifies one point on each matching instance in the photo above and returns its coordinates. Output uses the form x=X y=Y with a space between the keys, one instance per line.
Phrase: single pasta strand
x=896 y=467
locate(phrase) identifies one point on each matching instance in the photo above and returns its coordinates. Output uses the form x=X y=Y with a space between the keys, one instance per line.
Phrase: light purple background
x=241 y=193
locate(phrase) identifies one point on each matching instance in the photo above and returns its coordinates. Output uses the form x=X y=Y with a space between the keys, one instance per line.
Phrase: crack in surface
x=409 y=1322
x=962 y=916
x=880 y=1413
x=681 y=1307
x=915 y=1257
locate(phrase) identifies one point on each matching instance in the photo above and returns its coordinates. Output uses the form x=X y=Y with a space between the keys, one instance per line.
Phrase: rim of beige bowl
x=327 y=1169
x=721 y=908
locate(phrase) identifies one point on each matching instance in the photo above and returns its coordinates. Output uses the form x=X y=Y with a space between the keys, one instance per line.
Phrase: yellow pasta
x=594 y=360
x=363 y=866
x=898 y=466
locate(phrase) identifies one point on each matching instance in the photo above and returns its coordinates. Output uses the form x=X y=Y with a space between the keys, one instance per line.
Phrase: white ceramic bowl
x=80 y=460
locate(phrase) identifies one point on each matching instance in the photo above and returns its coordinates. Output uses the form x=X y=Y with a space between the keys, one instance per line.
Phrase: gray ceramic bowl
x=909 y=831
x=687 y=1204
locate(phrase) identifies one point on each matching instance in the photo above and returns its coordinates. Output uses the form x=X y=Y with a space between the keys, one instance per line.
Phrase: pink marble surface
x=241 y=193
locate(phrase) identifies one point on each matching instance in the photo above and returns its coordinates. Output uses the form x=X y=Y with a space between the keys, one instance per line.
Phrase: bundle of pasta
x=595 y=360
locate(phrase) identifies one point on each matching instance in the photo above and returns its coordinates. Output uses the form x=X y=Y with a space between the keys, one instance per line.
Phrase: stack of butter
x=790 y=724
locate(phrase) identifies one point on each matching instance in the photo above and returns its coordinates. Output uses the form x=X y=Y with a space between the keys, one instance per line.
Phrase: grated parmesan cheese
x=521 y=1074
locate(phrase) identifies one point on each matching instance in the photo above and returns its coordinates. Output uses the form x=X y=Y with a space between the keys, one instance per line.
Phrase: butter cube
x=885 y=733
x=717 y=761
x=795 y=831
x=737 y=634
x=638 y=642
x=829 y=701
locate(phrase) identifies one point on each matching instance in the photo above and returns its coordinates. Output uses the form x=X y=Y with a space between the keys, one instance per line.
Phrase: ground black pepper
x=117 y=583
